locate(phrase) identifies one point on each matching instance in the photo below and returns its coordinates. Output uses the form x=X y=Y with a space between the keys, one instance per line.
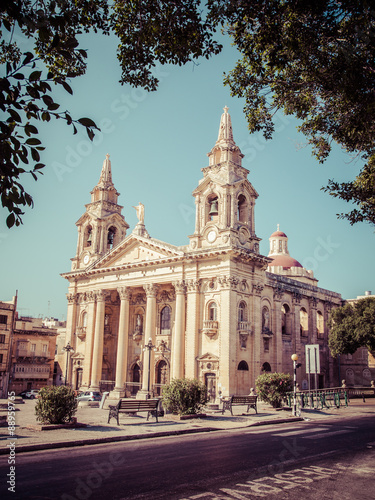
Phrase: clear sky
x=158 y=144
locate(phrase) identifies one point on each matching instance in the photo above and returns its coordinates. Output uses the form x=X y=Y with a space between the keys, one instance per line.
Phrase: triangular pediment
x=208 y=357
x=136 y=249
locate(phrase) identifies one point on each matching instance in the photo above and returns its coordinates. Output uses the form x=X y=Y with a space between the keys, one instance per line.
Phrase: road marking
x=327 y=434
x=300 y=431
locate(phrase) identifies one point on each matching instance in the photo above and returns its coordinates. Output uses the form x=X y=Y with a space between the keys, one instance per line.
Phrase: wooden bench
x=134 y=406
x=249 y=401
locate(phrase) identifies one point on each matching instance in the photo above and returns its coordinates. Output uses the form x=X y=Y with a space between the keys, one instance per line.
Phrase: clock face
x=86 y=259
x=211 y=237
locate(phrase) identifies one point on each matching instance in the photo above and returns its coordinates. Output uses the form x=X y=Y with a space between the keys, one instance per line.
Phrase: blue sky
x=158 y=144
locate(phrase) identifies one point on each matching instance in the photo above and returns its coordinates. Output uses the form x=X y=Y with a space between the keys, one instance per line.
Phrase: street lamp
x=295 y=366
x=68 y=348
x=149 y=346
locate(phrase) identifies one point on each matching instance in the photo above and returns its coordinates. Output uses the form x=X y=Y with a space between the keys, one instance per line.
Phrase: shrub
x=272 y=387
x=184 y=396
x=55 y=405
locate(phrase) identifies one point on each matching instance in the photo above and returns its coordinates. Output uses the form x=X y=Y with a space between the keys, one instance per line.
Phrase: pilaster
x=90 y=298
x=122 y=344
x=178 y=344
x=192 y=326
x=97 y=354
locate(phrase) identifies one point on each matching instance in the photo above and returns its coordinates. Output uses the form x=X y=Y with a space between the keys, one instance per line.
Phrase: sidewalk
x=97 y=429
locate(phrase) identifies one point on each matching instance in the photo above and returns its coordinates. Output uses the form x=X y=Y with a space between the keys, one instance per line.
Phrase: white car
x=89 y=396
x=32 y=394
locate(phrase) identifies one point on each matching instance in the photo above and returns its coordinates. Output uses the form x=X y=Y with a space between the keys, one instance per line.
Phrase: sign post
x=312 y=362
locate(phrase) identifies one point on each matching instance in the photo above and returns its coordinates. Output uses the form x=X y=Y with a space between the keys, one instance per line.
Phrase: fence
x=323 y=398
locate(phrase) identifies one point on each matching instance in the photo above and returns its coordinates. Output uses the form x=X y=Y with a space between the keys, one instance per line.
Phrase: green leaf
x=11 y=219
x=35 y=75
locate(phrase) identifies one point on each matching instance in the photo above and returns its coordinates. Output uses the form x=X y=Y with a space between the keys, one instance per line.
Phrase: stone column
x=97 y=353
x=178 y=343
x=192 y=325
x=257 y=330
x=312 y=320
x=150 y=327
x=122 y=344
x=71 y=326
x=89 y=297
x=228 y=334
x=277 y=338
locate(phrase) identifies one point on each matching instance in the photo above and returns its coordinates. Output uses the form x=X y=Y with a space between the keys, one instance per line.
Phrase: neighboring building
x=358 y=369
x=215 y=309
x=33 y=351
x=7 y=315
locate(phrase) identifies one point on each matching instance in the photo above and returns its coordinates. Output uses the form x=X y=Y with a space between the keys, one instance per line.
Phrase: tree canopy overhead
x=314 y=60
x=352 y=326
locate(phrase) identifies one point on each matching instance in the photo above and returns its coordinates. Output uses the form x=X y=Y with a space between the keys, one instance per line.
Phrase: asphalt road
x=278 y=461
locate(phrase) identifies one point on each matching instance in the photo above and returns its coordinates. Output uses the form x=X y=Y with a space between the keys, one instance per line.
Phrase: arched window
x=242 y=208
x=320 y=324
x=111 y=236
x=285 y=319
x=242 y=312
x=212 y=311
x=242 y=365
x=266 y=367
x=212 y=207
x=165 y=320
x=88 y=236
x=304 y=322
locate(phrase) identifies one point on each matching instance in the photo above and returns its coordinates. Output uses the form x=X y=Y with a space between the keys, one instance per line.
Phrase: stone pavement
x=97 y=429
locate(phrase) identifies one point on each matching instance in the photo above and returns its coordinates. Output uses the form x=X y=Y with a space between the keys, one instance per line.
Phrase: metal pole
x=294 y=358
x=149 y=370
x=66 y=368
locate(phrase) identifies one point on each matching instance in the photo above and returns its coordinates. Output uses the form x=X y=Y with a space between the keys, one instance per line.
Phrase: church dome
x=280 y=234
x=285 y=261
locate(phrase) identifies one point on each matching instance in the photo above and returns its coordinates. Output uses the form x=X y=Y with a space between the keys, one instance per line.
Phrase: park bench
x=249 y=401
x=134 y=406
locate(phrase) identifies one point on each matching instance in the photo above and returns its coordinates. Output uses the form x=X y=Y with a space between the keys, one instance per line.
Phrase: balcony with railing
x=210 y=327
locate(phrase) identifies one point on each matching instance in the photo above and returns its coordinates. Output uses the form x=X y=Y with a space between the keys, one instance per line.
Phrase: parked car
x=32 y=394
x=89 y=396
x=23 y=394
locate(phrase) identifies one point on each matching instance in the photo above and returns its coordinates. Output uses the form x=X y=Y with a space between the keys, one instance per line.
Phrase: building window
x=1 y=358
x=44 y=349
x=266 y=367
x=3 y=319
x=285 y=320
x=320 y=324
x=304 y=322
x=2 y=338
x=33 y=347
x=212 y=311
x=242 y=208
x=243 y=366
x=242 y=312
x=165 y=320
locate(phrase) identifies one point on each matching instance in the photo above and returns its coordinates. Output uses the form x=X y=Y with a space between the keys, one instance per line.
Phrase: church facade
x=142 y=311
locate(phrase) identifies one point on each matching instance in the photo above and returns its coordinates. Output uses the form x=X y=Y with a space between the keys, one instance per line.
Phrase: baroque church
x=142 y=312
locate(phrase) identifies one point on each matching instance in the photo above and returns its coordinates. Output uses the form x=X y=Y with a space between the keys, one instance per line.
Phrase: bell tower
x=102 y=226
x=224 y=198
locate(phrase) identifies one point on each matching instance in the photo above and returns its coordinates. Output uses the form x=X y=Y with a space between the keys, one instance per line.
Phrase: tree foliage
x=352 y=326
x=56 y=405
x=314 y=60
x=273 y=387
x=184 y=396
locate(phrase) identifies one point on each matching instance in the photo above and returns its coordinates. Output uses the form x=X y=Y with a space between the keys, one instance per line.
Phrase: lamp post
x=68 y=348
x=295 y=359
x=149 y=346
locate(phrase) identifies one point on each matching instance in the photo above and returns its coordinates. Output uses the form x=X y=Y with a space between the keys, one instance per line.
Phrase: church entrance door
x=210 y=382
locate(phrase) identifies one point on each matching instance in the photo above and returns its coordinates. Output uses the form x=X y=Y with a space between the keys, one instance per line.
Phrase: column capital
x=72 y=298
x=228 y=282
x=179 y=286
x=101 y=295
x=124 y=293
x=193 y=285
x=151 y=289
x=257 y=288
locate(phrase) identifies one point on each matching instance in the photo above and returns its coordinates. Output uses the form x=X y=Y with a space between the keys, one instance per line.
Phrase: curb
x=113 y=439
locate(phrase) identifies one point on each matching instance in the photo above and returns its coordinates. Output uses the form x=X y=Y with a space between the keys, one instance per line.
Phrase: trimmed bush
x=55 y=405
x=184 y=396
x=272 y=387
